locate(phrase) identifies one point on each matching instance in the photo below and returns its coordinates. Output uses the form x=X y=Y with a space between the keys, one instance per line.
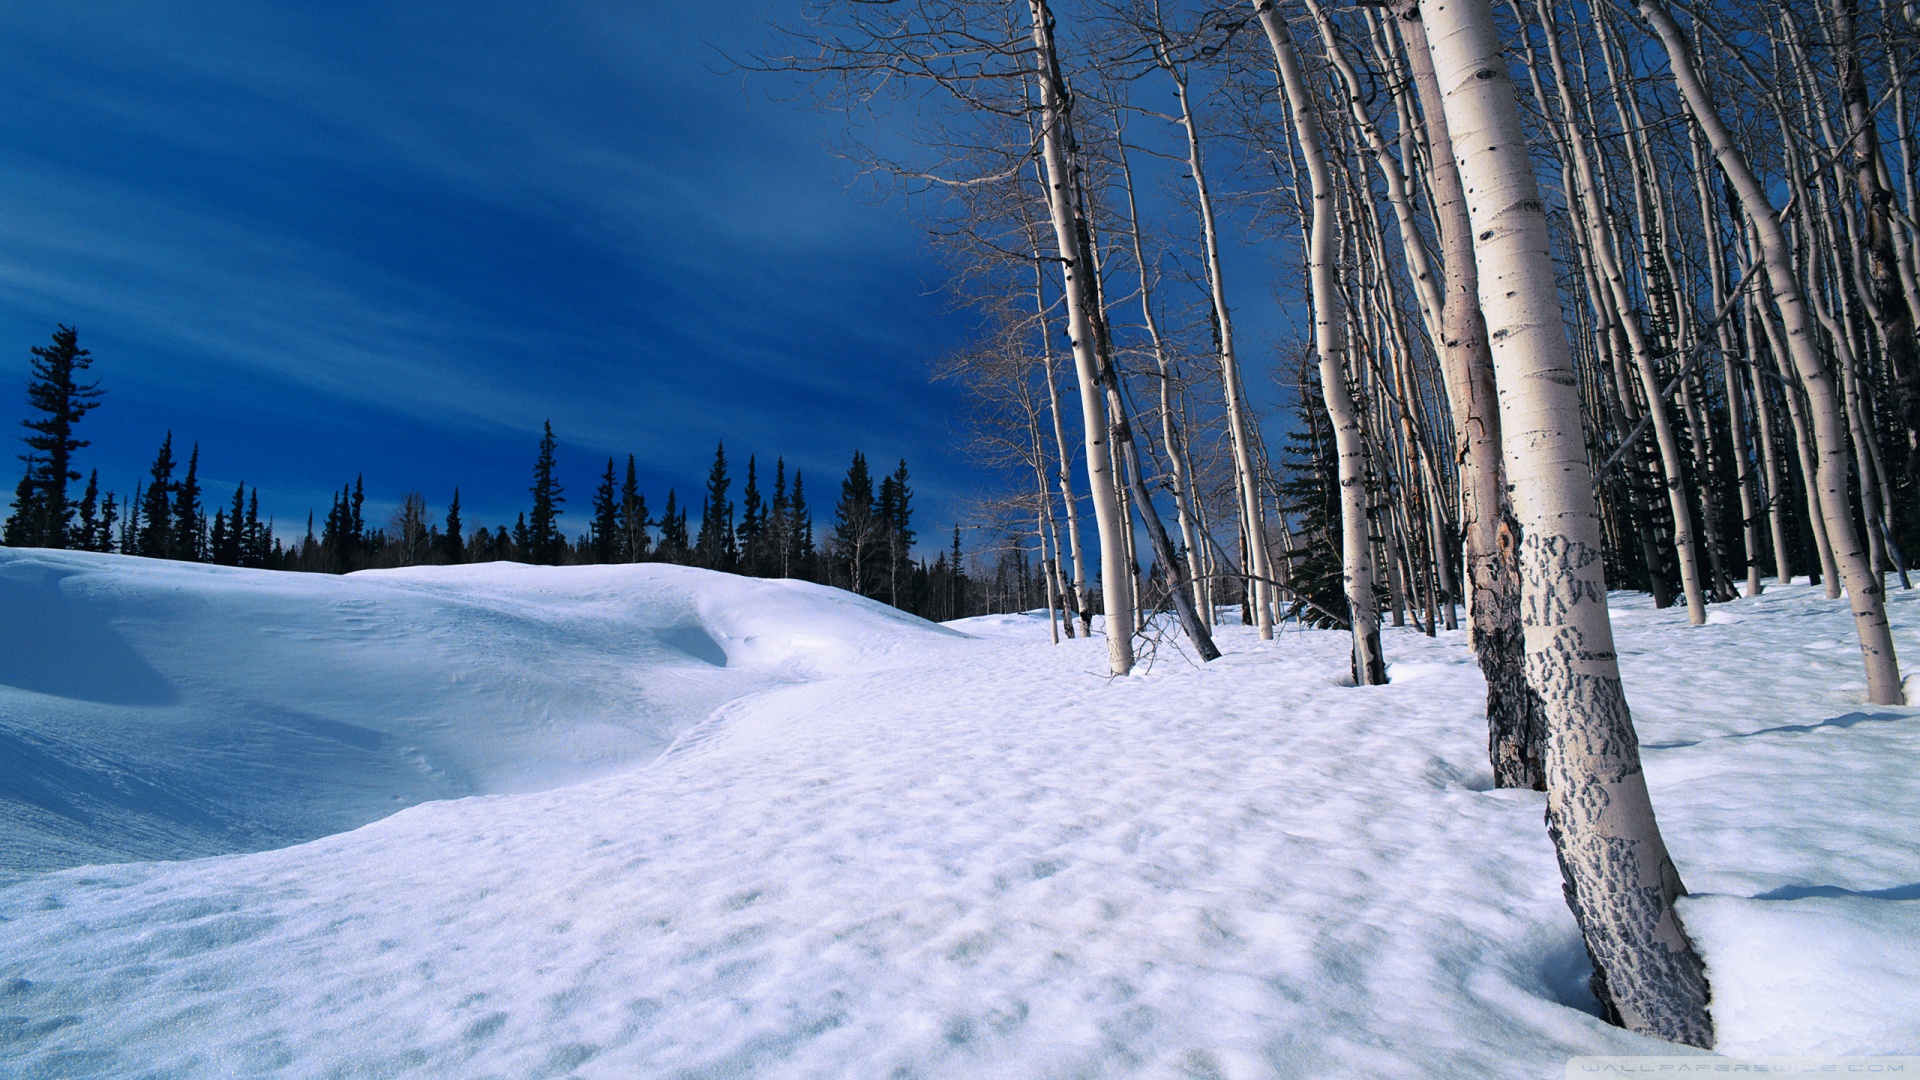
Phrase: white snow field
x=718 y=827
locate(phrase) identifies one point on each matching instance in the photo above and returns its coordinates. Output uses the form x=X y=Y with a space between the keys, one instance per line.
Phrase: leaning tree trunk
x=1239 y=429
x=1491 y=536
x=1116 y=575
x=1329 y=326
x=1619 y=879
x=1864 y=587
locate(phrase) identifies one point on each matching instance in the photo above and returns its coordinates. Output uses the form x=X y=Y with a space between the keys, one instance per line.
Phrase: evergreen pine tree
x=218 y=543
x=715 y=547
x=543 y=542
x=336 y=535
x=959 y=582
x=24 y=524
x=229 y=534
x=156 y=530
x=86 y=527
x=634 y=540
x=189 y=534
x=452 y=544
x=356 y=520
x=1310 y=496
x=753 y=524
x=855 y=529
x=522 y=538
x=800 y=535
x=673 y=532
x=606 y=519
x=257 y=547
x=61 y=402
x=780 y=523
x=109 y=514
x=895 y=515
x=130 y=528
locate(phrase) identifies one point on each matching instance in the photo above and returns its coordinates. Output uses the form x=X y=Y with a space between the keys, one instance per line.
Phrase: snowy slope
x=156 y=709
x=912 y=854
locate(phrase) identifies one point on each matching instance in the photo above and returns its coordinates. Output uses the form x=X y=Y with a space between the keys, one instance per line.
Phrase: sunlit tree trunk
x=1329 y=320
x=1487 y=526
x=1239 y=428
x=1619 y=880
x=1116 y=574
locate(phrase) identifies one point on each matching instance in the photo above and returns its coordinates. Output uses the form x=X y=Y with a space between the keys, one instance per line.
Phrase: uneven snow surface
x=722 y=827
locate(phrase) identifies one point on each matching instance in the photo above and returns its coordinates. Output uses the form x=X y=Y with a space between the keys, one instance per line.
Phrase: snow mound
x=156 y=709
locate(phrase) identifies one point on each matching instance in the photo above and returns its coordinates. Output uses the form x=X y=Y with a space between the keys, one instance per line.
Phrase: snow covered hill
x=155 y=709
x=738 y=828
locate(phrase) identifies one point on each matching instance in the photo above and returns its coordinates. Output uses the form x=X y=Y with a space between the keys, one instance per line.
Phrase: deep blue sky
x=393 y=238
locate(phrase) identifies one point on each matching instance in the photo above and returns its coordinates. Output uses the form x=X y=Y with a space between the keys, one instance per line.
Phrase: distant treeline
x=865 y=548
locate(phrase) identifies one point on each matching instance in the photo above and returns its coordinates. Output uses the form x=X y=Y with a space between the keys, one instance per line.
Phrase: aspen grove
x=1580 y=297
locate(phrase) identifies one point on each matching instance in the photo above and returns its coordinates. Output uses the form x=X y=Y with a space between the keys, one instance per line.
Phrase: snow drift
x=155 y=709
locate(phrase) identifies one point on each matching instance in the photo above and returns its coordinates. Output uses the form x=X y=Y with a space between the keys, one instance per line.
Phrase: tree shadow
x=1802 y=892
x=1845 y=720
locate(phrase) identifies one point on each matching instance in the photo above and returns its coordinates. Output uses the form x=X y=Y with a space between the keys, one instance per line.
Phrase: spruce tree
x=958 y=584
x=895 y=514
x=453 y=546
x=753 y=524
x=800 y=534
x=855 y=529
x=130 y=528
x=86 y=527
x=1310 y=496
x=109 y=515
x=23 y=526
x=258 y=547
x=780 y=522
x=189 y=522
x=356 y=520
x=60 y=402
x=229 y=534
x=673 y=532
x=606 y=519
x=634 y=540
x=543 y=542
x=156 y=509
x=715 y=548
x=336 y=535
x=522 y=539
x=218 y=543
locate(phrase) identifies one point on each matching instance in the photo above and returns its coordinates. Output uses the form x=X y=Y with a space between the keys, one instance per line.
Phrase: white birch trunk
x=1116 y=575
x=1620 y=881
x=1238 y=427
x=1491 y=549
x=1329 y=324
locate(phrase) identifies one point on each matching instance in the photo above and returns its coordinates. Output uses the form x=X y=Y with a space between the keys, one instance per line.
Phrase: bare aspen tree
x=1239 y=429
x=1620 y=881
x=1330 y=324
x=1864 y=588
x=1062 y=189
x=1181 y=476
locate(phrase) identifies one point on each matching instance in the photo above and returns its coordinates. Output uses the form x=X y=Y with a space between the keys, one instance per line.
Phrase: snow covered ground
x=720 y=827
